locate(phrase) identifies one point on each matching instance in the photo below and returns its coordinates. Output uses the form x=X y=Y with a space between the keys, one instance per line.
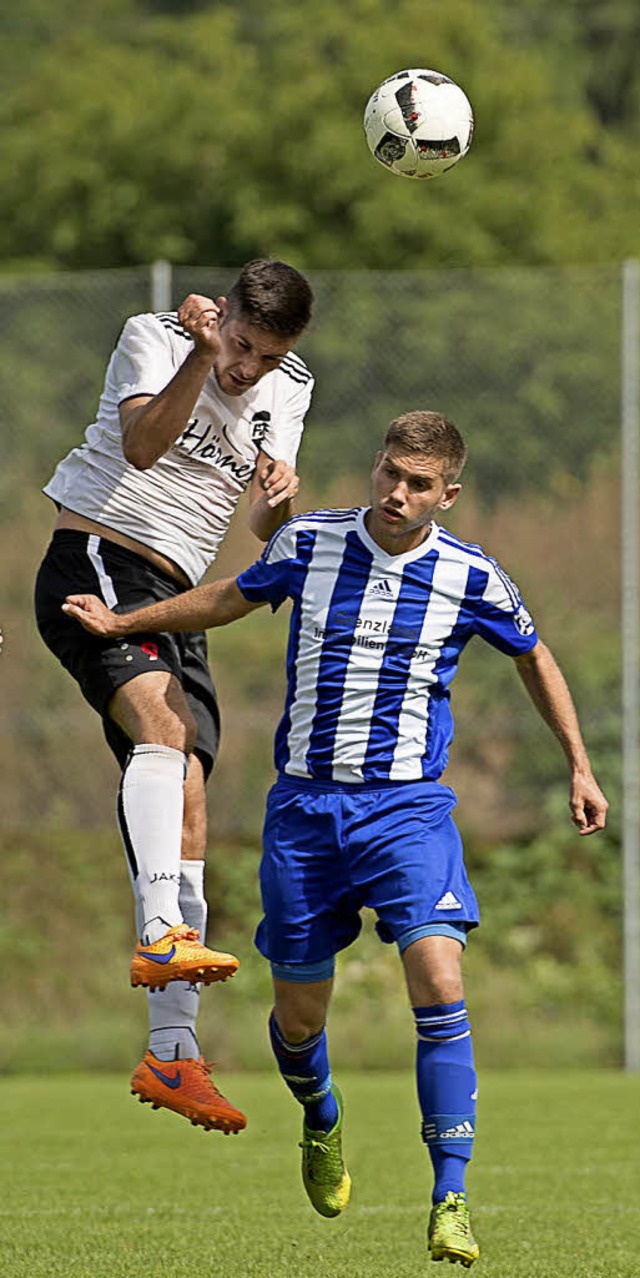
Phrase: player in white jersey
x=384 y=601
x=198 y=405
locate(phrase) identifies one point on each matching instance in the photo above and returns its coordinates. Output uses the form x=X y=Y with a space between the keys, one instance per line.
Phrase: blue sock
x=306 y=1071
x=447 y=1091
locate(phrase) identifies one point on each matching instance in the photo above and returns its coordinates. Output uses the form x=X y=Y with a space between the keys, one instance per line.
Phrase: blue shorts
x=329 y=850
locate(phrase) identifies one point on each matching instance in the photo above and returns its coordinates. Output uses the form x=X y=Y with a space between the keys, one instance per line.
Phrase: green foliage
x=110 y=146
x=525 y=357
x=57 y=335
x=524 y=360
x=602 y=40
x=208 y=132
x=542 y=971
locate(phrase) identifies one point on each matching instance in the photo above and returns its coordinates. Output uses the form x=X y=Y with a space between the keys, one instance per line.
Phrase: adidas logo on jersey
x=382 y=589
x=448 y=902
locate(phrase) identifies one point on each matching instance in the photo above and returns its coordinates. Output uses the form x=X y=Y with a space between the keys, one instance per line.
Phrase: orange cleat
x=179 y=956
x=186 y=1088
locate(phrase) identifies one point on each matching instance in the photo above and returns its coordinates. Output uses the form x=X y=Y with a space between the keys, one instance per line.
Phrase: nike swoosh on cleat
x=158 y=958
x=164 y=1078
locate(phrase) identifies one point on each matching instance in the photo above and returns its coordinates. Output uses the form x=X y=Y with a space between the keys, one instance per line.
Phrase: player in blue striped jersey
x=384 y=601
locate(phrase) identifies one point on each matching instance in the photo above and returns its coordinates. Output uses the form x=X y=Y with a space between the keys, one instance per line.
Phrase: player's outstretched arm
x=215 y=604
x=548 y=690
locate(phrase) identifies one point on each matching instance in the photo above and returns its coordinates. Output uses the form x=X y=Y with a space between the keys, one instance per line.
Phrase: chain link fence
x=527 y=362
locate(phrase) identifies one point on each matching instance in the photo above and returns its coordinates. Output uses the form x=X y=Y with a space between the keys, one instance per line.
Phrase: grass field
x=95 y=1185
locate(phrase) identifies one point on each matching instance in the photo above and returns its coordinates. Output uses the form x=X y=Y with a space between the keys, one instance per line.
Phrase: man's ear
x=223 y=306
x=449 y=496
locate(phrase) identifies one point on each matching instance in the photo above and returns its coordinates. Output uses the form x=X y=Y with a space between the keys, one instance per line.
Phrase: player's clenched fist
x=200 y=317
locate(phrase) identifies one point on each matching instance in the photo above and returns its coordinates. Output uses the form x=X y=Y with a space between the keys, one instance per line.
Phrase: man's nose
x=249 y=370
x=399 y=493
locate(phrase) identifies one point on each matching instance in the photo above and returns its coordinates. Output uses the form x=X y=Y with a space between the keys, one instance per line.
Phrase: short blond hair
x=430 y=433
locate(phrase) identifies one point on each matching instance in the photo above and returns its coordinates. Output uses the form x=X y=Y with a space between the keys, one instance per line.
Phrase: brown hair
x=273 y=296
x=430 y=433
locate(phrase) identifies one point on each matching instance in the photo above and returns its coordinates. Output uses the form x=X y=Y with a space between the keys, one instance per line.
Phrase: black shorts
x=81 y=563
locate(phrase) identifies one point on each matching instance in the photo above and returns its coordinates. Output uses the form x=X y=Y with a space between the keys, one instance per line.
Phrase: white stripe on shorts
x=107 y=587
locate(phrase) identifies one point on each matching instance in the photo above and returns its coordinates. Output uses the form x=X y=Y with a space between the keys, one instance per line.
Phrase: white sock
x=150 y=808
x=173 y=1011
x=193 y=902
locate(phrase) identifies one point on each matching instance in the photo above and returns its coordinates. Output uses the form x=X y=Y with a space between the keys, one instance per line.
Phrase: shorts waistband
x=290 y=782
x=75 y=537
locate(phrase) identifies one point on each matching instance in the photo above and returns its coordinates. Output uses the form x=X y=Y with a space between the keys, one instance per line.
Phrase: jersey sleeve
x=282 y=438
x=500 y=616
x=271 y=579
x=143 y=361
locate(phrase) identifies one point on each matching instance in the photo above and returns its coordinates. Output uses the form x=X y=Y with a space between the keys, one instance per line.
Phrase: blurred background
x=198 y=135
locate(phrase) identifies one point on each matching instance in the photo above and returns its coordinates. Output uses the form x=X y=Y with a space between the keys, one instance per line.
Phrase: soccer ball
x=418 y=123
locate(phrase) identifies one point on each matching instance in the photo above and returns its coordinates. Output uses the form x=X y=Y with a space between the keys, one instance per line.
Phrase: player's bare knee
x=433 y=969
x=153 y=709
x=296 y=1028
x=298 y=1016
x=177 y=718
x=444 y=989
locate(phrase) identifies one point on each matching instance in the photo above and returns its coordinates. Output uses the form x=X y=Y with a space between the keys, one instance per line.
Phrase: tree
x=216 y=133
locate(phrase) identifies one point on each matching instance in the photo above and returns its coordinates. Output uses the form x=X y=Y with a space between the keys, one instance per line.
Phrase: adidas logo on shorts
x=448 y=902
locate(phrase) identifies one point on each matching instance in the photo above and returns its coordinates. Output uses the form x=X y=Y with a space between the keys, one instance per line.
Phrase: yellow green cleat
x=324 y=1175
x=449 y=1236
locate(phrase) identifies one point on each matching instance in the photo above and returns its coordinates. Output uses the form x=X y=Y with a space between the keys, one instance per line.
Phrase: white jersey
x=181 y=506
x=374 y=643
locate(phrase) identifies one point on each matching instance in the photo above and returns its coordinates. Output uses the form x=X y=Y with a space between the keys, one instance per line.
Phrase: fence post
x=630 y=620
x=161 y=286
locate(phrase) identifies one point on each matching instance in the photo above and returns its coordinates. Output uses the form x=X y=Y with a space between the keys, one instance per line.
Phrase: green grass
x=97 y=1186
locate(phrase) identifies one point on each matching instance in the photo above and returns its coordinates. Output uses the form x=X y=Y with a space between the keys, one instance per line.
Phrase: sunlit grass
x=96 y=1186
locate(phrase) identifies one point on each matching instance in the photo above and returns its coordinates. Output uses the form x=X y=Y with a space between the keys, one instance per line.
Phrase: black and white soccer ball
x=418 y=123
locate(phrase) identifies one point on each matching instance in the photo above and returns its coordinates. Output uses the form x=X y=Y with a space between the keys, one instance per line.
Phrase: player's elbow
x=535 y=665
x=137 y=455
x=526 y=660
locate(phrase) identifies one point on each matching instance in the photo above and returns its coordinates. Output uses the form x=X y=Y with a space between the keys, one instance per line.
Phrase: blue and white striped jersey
x=374 y=643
